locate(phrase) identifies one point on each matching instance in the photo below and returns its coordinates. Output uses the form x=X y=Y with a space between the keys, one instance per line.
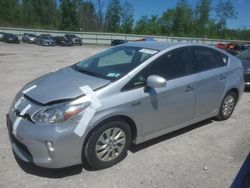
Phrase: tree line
x=202 y=20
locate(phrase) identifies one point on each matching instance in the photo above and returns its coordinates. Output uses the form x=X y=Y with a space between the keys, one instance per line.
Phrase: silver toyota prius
x=93 y=110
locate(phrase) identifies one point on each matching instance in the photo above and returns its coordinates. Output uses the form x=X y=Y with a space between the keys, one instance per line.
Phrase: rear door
x=211 y=71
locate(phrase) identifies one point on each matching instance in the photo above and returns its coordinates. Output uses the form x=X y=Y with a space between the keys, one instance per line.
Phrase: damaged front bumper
x=50 y=146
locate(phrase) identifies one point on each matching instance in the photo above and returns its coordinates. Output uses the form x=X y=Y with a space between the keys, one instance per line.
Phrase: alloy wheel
x=110 y=144
x=228 y=105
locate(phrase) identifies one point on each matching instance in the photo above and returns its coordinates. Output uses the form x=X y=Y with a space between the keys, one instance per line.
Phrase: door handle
x=223 y=77
x=189 y=88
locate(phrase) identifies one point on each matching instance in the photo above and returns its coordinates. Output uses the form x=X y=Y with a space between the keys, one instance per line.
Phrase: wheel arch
x=124 y=118
x=236 y=91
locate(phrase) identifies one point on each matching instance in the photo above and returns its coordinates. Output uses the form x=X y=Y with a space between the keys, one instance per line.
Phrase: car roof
x=152 y=44
x=159 y=45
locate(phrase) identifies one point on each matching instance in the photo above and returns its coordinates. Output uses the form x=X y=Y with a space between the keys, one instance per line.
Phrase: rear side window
x=206 y=58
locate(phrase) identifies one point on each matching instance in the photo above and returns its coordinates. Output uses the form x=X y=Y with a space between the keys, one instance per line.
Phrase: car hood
x=47 y=40
x=61 y=85
x=11 y=38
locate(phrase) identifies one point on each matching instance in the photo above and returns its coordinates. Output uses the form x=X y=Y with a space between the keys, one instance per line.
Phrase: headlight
x=59 y=113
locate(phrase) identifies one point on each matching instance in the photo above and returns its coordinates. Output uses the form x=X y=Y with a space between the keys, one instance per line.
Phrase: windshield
x=114 y=63
x=31 y=35
x=10 y=35
x=245 y=55
x=46 y=37
x=71 y=36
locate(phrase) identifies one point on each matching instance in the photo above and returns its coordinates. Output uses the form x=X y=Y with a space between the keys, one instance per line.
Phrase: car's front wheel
x=227 y=106
x=108 y=145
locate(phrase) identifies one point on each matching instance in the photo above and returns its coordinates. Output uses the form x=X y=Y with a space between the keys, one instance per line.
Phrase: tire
x=227 y=106
x=103 y=151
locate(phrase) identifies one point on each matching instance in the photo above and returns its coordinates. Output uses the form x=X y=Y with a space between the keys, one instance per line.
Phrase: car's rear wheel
x=227 y=106
x=108 y=145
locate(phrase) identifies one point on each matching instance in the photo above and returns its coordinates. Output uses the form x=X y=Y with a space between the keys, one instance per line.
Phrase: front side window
x=114 y=63
x=206 y=58
x=173 y=64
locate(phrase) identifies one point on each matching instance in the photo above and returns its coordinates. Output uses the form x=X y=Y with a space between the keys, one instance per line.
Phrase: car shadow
x=31 y=168
x=135 y=148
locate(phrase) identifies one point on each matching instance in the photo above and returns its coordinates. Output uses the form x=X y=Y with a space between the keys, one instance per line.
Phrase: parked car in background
x=75 y=40
x=146 y=39
x=235 y=49
x=232 y=48
x=1 y=35
x=29 y=38
x=62 y=41
x=10 y=38
x=245 y=60
x=93 y=110
x=116 y=42
x=45 y=40
x=221 y=46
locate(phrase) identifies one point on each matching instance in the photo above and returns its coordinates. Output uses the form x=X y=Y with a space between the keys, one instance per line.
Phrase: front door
x=165 y=108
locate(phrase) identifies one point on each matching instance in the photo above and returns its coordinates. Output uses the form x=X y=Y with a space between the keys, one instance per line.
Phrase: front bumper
x=32 y=41
x=47 y=44
x=31 y=144
x=12 y=41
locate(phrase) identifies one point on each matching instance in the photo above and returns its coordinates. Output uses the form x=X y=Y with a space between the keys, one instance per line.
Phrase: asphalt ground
x=207 y=154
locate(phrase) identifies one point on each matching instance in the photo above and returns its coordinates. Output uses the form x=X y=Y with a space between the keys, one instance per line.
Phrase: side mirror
x=155 y=81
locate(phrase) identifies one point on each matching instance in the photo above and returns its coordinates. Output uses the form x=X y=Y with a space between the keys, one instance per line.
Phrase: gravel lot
x=207 y=154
